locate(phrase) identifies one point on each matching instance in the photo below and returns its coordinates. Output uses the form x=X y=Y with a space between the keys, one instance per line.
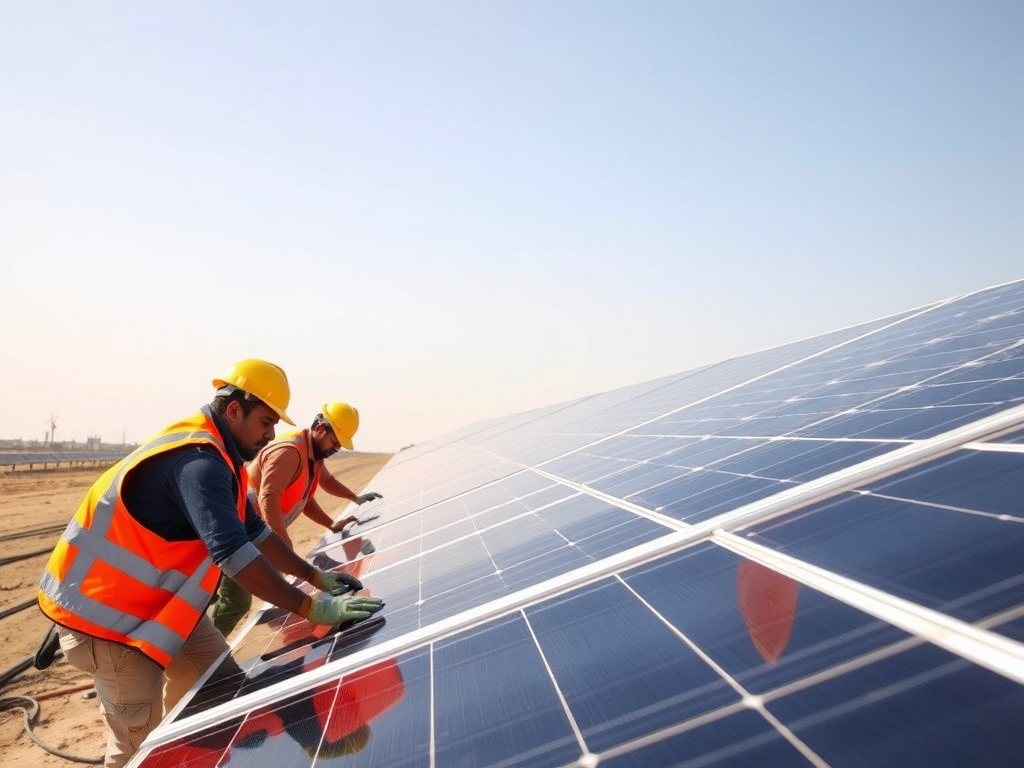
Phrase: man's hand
x=365 y=497
x=339 y=526
x=329 y=611
x=334 y=582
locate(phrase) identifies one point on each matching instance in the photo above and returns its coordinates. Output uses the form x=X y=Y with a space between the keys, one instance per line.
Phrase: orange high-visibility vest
x=295 y=496
x=113 y=578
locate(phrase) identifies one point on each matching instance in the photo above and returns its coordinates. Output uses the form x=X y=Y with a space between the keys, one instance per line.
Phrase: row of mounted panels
x=696 y=655
x=670 y=654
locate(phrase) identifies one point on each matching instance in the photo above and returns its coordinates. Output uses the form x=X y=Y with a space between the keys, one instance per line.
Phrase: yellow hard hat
x=344 y=421
x=260 y=379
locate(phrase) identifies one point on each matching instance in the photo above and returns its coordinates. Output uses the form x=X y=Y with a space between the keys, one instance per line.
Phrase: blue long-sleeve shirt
x=189 y=493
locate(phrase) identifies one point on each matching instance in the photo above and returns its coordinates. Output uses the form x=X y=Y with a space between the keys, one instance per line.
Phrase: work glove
x=339 y=526
x=334 y=582
x=330 y=611
x=365 y=497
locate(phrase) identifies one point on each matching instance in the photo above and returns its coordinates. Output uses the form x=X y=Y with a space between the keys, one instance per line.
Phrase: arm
x=283 y=558
x=279 y=468
x=315 y=512
x=204 y=489
x=332 y=485
x=281 y=555
x=260 y=578
x=335 y=487
x=259 y=566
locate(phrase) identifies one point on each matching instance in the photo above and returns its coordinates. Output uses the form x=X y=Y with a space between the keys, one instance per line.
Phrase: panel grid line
x=747 y=698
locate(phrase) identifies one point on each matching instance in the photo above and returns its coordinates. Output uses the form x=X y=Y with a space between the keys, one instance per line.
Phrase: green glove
x=365 y=497
x=329 y=611
x=334 y=582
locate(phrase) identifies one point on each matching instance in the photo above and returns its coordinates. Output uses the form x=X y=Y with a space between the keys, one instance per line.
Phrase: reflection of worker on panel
x=296 y=631
x=767 y=601
x=329 y=720
x=291 y=631
x=357 y=551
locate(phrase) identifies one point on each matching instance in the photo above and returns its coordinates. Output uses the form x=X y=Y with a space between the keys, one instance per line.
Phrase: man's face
x=251 y=432
x=324 y=442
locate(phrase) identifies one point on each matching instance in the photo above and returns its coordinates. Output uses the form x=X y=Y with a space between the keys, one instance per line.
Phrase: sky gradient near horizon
x=451 y=211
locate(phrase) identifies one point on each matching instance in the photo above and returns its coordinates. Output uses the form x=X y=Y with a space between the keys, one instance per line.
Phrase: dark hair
x=220 y=401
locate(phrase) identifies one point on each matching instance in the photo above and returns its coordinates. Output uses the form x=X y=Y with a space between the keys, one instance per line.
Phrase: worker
x=282 y=481
x=130 y=578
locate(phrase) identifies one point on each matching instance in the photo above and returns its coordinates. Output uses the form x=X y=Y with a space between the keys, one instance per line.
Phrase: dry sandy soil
x=46 y=499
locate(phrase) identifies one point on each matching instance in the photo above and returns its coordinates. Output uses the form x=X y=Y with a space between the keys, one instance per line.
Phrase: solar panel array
x=813 y=555
x=20 y=458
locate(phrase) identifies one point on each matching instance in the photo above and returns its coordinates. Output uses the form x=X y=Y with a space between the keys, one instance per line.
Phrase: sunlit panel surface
x=808 y=556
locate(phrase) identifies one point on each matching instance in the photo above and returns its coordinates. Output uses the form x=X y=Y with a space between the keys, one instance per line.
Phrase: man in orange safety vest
x=129 y=581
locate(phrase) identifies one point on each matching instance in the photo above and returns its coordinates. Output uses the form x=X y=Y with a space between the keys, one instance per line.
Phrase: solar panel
x=806 y=556
x=20 y=458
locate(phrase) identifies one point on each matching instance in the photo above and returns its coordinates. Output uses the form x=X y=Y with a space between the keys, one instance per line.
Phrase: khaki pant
x=133 y=690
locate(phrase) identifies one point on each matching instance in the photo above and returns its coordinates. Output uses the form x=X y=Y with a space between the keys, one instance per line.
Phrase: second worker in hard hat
x=283 y=479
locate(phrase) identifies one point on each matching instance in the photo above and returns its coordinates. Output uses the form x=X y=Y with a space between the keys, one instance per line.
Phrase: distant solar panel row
x=17 y=458
x=807 y=556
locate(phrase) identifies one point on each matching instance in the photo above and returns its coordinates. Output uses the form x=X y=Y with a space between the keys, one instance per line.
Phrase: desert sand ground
x=38 y=499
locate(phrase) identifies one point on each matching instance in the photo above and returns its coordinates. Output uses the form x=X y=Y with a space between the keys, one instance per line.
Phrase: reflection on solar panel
x=813 y=555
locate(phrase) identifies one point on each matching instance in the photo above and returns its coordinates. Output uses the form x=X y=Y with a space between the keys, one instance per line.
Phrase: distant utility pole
x=53 y=428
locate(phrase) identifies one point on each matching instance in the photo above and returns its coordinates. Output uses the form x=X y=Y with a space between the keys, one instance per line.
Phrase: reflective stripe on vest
x=112 y=578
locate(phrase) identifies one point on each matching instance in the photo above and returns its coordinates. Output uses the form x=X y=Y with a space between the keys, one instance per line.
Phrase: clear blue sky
x=448 y=211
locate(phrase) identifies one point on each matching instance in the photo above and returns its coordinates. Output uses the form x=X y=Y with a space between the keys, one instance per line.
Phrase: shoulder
x=198 y=461
x=279 y=454
x=184 y=466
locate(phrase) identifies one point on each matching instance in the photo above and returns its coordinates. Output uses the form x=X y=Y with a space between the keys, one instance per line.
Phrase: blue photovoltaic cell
x=526 y=725
x=764 y=629
x=1012 y=629
x=585 y=629
x=896 y=423
x=624 y=482
x=801 y=460
x=922 y=707
x=615 y=692
x=701 y=495
x=983 y=481
x=1017 y=436
x=740 y=740
x=953 y=559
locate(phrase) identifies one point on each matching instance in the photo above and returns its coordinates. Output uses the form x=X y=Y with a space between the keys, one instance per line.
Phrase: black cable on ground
x=24 y=556
x=34 y=532
x=11 y=673
x=15 y=608
x=31 y=709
